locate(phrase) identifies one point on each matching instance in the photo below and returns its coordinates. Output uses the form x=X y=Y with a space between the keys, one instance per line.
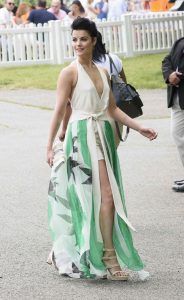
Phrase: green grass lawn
x=144 y=72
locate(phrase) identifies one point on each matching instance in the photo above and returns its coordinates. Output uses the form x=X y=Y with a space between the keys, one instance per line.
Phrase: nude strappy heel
x=113 y=275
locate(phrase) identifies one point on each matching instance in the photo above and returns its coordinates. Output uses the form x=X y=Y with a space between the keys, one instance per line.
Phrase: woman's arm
x=122 y=75
x=119 y=116
x=64 y=90
x=64 y=125
x=95 y=9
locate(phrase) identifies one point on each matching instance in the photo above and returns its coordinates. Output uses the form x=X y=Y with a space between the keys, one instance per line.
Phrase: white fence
x=51 y=44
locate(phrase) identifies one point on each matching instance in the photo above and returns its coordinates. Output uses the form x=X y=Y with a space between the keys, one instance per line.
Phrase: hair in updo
x=85 y=24
x=99 y=50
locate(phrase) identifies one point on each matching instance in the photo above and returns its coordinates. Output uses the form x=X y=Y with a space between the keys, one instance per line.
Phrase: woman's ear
x=94 y=41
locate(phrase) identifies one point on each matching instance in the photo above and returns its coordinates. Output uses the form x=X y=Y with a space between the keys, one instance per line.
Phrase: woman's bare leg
x=107 y=215
x=107 y=207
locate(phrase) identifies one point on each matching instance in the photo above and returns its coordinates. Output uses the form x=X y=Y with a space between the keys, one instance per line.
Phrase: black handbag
x=126 y=97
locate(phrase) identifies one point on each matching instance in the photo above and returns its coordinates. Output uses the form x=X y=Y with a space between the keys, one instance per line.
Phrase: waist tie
x=81 y=115
x=58 y=146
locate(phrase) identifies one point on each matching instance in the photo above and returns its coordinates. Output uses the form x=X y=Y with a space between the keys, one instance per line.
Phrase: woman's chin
x=79 y=53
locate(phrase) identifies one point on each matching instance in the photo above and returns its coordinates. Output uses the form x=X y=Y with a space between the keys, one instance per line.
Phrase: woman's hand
x=50 y=157
x=62 y=135
x=150 y=133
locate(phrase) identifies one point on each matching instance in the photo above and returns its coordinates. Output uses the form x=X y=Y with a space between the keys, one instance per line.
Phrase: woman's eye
x=81 y=39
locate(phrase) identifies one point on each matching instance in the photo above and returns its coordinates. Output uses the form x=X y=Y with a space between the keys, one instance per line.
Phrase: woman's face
x=82 y=42
x=75 y=9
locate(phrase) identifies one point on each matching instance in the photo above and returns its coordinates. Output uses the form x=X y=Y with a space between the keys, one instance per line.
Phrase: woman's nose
x=78 y=42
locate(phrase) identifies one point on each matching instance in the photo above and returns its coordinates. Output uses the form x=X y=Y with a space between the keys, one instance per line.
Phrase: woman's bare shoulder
x=68 y=70
x=68 y=73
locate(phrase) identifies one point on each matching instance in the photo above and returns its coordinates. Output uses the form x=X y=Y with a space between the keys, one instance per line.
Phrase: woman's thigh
x=105 y=186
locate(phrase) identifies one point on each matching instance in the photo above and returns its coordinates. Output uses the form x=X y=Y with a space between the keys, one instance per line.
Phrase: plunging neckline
x=99 y=96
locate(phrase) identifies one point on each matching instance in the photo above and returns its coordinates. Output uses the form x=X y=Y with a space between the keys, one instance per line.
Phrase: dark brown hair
x=90 y=26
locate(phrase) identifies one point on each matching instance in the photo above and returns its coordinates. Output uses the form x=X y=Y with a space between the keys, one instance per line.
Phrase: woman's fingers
x=62 y=136
x=50 y=158
x=51 y=163
x=154 y=135
x=150 y=133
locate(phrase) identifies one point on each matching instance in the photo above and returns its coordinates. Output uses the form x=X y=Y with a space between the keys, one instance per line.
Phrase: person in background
x=136 y=5
x=89 y=7
x=87 y=212
x=64 y=7
x=102 y=59
x=77 y=10
x=6 y=14
x=40 y=15
x=14 y=10
x=146 y=5
x=56 y=10
x=116 y=9
x=22 y=13
x=173 y=73
x=100 y=9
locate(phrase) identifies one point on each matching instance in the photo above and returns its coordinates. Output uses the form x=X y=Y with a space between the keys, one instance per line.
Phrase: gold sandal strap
x=112 y=266
x=110 y=250
x=108 y=257
x=123 y=274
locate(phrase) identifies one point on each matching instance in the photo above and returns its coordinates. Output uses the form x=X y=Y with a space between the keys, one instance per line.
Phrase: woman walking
x=87 y=212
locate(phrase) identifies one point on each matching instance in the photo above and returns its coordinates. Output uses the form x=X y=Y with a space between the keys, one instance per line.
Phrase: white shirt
x=60 y=16
x=116 y=8
x=106 y=64
x=5 y=16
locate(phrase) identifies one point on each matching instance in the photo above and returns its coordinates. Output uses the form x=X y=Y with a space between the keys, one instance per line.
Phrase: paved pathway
x=149 y=169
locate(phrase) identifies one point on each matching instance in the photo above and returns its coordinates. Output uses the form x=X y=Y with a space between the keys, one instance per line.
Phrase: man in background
x=173 y=73
x=40 y=15
x=6 y=14
x=56 y=10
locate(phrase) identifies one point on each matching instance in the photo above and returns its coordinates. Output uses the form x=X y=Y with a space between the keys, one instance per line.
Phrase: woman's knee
x=107 y=196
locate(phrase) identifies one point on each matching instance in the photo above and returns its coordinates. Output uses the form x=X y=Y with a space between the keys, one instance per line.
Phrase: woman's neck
x=86 y=62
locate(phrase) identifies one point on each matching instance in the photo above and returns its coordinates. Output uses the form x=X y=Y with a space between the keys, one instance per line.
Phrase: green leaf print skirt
x=74 y=205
